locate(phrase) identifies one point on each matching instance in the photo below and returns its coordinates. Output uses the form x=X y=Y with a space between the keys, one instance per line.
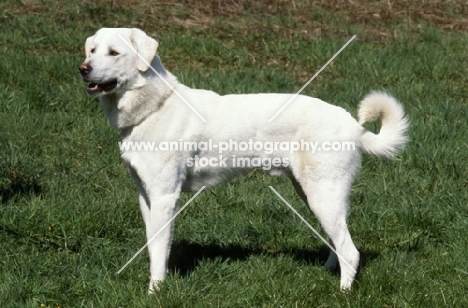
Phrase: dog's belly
x=209 y=177
x=196 y=176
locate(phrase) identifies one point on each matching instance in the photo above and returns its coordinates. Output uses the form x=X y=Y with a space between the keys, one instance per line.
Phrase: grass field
x=69 y=212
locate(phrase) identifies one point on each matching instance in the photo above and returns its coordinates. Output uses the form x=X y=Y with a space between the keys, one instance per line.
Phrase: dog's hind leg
x=332 y=260
x=328 y=199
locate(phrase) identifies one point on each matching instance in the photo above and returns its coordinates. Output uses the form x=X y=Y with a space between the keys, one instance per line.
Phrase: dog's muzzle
x=93 y=87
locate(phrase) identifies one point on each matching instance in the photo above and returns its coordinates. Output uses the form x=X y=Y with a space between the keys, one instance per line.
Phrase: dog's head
x=115 y=57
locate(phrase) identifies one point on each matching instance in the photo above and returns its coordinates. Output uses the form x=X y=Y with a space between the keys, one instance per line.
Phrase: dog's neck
x=145 y=97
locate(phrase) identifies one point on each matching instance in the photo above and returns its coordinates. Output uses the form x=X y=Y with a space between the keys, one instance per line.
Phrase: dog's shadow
x=185 y=255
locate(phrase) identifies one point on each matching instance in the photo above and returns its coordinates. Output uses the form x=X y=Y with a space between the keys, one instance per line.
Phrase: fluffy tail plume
x=392 y=136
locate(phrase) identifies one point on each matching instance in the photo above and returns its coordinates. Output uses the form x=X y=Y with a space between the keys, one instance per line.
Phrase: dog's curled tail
x=392 y=136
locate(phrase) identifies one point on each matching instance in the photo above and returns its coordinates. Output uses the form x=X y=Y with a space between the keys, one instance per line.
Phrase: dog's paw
x=345 y=287
x=154 y=286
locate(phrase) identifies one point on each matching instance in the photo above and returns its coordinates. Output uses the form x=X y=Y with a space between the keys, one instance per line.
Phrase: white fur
x=144 y=108
x=392 y=135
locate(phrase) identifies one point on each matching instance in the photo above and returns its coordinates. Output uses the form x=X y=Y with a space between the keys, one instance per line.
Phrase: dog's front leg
x=159 y=235
x=158 y=202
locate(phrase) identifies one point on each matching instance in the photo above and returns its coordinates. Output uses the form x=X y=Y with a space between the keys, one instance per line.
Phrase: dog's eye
x=92 y=50
x=113 y=53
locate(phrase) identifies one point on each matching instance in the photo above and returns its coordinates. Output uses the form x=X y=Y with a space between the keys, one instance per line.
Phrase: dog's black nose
x=85 y=69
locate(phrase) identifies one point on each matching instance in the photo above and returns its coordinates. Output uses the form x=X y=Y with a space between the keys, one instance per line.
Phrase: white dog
x=146 y=103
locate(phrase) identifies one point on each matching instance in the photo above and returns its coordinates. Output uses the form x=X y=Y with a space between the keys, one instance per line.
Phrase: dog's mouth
x=101 y=88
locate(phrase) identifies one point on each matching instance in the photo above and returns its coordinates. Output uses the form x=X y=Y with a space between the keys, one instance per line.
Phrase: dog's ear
x=89 y=40
x=146 y=48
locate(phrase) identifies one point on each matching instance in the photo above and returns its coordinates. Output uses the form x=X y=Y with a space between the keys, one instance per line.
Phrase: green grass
x=69 y=213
